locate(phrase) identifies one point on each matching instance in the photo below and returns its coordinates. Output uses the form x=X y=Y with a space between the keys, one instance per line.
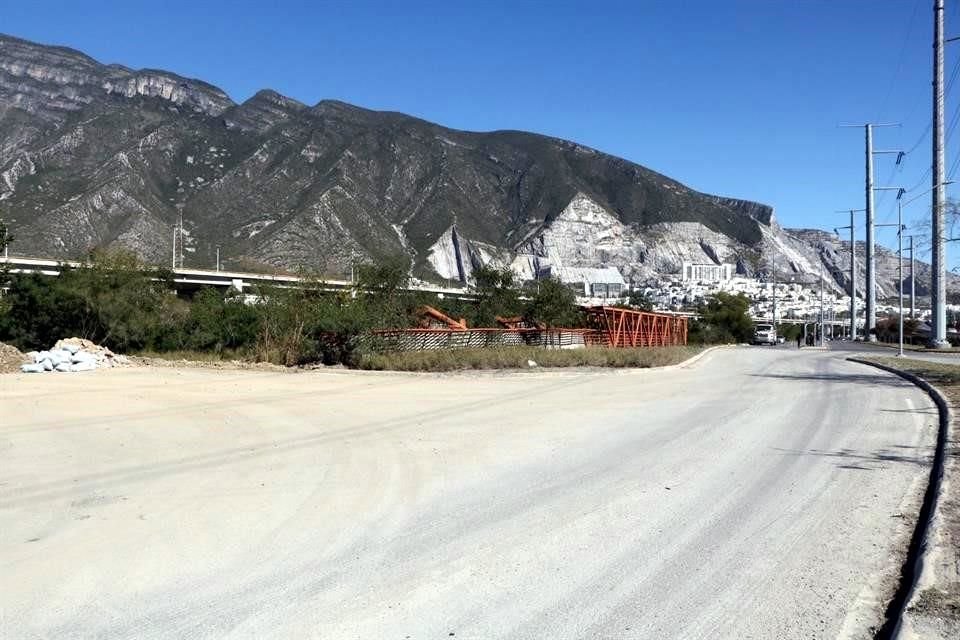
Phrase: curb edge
x=918 y=553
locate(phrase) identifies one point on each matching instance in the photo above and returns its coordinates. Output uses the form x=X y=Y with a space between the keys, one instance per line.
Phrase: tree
x=113 y=300
x=639 y=300
x=553 y=305
x=217 y=322
x=723 y=318
x=381 y=289
x=789 y=331
x=5 y=240
x=497 y=294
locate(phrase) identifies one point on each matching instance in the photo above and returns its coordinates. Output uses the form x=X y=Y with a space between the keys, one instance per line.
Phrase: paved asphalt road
x=760 y=493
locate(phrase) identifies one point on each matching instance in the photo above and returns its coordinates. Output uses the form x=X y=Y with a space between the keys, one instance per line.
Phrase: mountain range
x=99 y=155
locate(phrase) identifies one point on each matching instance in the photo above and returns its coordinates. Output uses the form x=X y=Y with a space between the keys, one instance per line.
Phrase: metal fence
x=610 y=327
x=432 y=339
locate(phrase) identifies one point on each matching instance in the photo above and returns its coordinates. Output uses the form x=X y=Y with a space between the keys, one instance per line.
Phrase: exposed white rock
x=22 y=166
x=442 y=255
x=584 y=234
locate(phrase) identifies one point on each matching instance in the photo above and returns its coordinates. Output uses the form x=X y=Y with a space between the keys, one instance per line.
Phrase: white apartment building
x=693 y=272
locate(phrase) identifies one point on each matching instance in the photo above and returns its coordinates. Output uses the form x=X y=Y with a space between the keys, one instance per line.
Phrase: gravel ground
x=759 y=493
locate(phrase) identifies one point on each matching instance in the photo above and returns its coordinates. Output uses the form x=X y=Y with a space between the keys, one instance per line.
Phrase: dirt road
x=760 y=493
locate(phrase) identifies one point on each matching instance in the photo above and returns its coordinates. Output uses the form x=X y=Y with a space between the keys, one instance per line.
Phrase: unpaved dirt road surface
x=759 y=493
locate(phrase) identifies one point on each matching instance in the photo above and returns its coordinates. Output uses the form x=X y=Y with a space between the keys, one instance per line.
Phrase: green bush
x=112 y=300
x=789 y=331
x=218 y=323
x=723 y=318
x=497 y=294
x=553 y=305
x=638 y=300
x=116 y=301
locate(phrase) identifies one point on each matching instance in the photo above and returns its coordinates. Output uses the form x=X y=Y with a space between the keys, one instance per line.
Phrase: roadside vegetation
x=131 y=308
x=521 y=357
x=723 y=318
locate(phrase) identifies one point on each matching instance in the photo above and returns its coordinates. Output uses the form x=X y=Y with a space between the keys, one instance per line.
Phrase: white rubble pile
x=73 y=355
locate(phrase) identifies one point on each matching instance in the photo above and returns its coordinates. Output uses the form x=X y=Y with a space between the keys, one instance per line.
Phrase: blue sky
x=740 y=97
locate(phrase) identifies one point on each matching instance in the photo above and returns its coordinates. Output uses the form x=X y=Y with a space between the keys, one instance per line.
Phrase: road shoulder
x=932 y=607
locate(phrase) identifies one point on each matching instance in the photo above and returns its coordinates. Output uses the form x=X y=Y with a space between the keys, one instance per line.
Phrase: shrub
x=497 y=295
x=553 y=305
x=723 y=318
x=217 y=322
x=112 y=300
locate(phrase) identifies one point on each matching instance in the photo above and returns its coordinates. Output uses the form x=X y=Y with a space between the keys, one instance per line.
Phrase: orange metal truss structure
x=629 y=328
x=430 y=317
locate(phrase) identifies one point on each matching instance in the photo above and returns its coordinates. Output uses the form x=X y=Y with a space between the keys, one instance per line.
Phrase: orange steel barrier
x=609 y=327
x=628 y=328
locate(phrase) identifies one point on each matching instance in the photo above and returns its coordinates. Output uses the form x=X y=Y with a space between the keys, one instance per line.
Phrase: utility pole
x=870 y=321
x=870 y=291
x=913 y=283
x=853 y=279
x=173 y=254
x=900 y=269
x=774 y=291
x=900 y=229
x=938 y=290
x=853 y=270
x=821 y=306
x=218 y=258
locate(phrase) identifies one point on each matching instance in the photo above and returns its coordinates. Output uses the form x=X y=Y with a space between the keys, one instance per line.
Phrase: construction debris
x=72 y=355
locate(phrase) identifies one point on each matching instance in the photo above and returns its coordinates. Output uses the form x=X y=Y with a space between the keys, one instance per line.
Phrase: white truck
x=765 y=334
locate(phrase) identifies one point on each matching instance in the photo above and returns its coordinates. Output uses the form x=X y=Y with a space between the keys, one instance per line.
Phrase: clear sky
x=734 y=97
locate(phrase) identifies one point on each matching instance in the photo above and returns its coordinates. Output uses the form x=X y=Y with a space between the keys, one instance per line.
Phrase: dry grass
x=518 y=357
x=462 y=359
x=190 y=356
x=908 y=347
x=943 y=375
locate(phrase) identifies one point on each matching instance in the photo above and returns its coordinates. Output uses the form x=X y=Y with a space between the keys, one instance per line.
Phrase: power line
x=954 y=118
x=954 y=74
x=953 y=167
x=926 y=174
x=920 y=140
x=903 y=51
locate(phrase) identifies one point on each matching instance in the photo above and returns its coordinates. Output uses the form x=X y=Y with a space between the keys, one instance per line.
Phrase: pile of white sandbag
x=72 y=355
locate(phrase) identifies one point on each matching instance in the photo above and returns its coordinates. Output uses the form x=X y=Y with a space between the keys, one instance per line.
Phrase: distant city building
x=692 y=272
x=589 y=282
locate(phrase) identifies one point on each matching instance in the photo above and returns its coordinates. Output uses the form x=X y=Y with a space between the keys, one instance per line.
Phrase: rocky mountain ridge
x=95 y=155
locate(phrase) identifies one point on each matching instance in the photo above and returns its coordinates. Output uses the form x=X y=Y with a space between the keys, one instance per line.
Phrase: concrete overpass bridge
x=189 y=280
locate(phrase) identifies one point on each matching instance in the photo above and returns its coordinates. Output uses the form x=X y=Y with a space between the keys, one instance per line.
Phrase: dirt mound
x=11 y=358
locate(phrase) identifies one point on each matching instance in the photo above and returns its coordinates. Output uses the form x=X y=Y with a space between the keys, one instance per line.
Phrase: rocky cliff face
x=95 y=155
